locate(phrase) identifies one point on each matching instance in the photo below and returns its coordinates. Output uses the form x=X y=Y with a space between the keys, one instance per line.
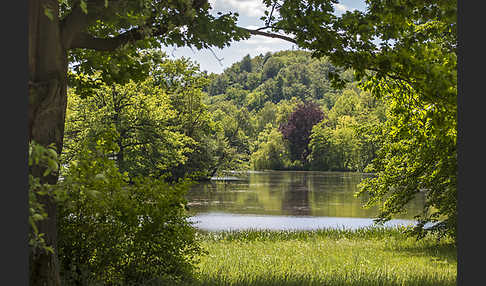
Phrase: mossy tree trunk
x=47 y=106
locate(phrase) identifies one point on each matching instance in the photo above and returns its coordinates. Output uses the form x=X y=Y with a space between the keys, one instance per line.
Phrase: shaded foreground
x=366 y=257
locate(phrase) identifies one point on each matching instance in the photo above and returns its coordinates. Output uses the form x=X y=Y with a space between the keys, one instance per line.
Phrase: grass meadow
x=368 y=257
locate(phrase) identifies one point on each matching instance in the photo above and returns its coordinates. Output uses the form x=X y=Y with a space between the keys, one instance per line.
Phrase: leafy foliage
x=348 y=139
x=45 y=158
x=140 y=115
x=117 y=230
x=141 y=25
x=162 y=125
x=127 y=146
x=271 y=152
x=418 y=155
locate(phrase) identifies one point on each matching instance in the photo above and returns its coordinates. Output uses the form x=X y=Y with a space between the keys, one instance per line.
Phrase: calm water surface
x=279 y=200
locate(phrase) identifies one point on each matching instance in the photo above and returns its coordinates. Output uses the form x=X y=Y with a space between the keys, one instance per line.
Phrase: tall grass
x=372 y=256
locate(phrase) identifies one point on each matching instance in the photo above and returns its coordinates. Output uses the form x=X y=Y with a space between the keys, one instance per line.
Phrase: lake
x=286 y=200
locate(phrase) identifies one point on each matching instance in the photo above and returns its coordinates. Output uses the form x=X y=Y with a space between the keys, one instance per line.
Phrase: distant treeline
x=256 y=99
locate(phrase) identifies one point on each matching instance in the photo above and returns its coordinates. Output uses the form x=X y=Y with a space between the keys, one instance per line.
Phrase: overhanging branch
x=270 y=35
x=77 y=21
x=86 y=41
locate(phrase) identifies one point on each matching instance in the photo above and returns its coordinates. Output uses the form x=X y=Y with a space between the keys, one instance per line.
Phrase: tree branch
x=267 y=34
x=271 y=14
x=77 y=21
x=220 y=60
x=72 y=23
x=86 y=41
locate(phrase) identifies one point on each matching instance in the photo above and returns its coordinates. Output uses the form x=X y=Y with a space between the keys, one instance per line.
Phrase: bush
x=112 y=232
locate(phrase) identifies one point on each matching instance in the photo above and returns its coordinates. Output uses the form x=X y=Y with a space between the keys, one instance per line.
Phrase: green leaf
x=46 y=172
x=49 y=249
x=48 y=13
x=37 y=217
x=84 y=6
x=52 y=152
x=93 y=193
x=100 y=177
x=32 y=224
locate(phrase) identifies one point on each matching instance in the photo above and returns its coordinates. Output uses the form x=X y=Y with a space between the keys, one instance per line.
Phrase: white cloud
x=341 y=8
x=254 y=51
x=262 y=40
x=252 y=27
x=250 y=8
x=263 y=50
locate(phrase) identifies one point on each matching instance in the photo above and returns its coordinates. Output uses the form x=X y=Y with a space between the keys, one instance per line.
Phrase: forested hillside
x=255 y=100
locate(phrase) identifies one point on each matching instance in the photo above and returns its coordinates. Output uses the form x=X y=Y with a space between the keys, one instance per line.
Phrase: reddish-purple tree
x=298 y=128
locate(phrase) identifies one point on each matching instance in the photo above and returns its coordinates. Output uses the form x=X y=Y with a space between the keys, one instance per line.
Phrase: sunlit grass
x=366 y=257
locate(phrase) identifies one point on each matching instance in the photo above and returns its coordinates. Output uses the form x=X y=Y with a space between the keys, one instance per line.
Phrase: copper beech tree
x=298 y=128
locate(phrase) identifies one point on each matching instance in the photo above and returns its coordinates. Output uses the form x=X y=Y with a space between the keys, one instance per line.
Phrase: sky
x=250 y=12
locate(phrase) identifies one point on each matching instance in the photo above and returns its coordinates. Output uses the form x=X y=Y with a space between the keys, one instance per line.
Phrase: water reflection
x=295 y=200
x=287 y=193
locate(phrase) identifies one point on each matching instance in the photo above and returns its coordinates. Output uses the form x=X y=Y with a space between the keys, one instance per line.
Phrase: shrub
x=116 y=232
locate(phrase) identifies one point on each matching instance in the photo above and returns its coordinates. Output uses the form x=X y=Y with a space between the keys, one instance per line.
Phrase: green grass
x=365 y=257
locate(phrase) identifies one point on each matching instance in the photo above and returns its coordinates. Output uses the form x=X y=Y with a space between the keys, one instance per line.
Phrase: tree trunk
x=47 y=107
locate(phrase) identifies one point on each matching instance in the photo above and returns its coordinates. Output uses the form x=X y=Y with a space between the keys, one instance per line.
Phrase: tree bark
x=47 y=106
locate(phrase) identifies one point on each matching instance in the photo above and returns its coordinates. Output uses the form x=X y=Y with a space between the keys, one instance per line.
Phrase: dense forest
x=274 y=111
x=290 y=117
